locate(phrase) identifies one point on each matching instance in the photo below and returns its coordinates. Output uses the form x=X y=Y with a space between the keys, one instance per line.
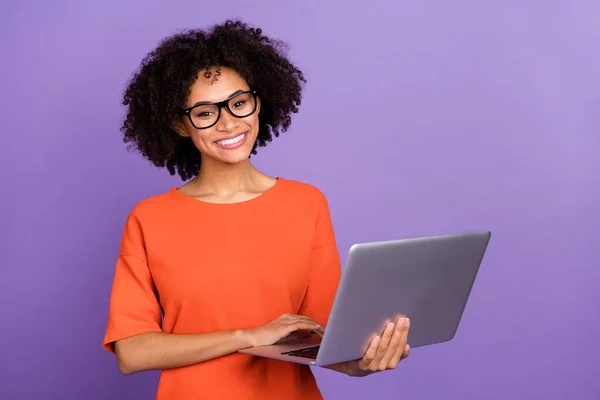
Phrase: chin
x=237 y=156
x=235 y=160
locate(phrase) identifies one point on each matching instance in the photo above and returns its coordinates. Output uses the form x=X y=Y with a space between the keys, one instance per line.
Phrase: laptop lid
x=426 y=279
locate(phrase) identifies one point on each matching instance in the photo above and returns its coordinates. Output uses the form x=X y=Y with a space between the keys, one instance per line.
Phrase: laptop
x=426 y=279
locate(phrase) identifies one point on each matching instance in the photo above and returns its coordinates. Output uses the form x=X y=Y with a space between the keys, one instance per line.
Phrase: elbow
x=125 y=367
x=125 y=361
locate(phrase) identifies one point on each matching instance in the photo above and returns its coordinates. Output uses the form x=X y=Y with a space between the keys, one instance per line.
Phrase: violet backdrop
x=419 y=118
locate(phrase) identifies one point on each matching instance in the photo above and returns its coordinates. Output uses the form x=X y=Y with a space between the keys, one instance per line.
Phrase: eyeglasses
x=203 y=116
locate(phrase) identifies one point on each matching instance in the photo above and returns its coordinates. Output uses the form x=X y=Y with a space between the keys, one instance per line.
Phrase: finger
x=320 y=330
x=297 y=325
x=296 y=317
x=289 y=319
x=385 y=341
x=403 y=349
x=398 y=356
x=405 y=332
x=406 y=352
x=395 y=343
x=370 y=353
x=298 y=335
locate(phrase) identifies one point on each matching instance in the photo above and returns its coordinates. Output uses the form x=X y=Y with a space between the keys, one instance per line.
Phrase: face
x=231 y=139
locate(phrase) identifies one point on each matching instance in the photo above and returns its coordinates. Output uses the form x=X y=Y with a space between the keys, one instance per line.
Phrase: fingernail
x=390 y=325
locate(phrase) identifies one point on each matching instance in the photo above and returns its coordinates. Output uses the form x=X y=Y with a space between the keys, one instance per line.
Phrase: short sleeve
x=324 y=268
x=134 y=307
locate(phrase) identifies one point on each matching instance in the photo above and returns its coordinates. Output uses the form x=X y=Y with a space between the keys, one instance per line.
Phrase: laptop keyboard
x=309 y=352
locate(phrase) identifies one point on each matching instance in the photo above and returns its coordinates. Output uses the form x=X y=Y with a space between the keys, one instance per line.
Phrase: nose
x=227 y=122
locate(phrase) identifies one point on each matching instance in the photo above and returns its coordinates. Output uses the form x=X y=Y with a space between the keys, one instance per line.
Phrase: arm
x=134 y=331
x=324 y=275
x=157 y=350
x=348 y=369
x=340 y=367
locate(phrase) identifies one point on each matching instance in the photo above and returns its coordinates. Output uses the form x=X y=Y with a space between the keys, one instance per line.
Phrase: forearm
x=339 y=367
x=347 y=369
x=157 y=351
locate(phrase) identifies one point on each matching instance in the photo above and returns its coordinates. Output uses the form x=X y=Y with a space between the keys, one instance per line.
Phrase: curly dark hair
x=160 y=88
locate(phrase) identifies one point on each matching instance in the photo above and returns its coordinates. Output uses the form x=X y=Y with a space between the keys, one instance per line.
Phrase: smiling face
x=231 y=139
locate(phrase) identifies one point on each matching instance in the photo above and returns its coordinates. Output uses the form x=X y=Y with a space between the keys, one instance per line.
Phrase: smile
x=233 y=142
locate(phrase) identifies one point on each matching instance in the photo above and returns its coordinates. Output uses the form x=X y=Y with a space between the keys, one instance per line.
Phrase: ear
x=179 y=127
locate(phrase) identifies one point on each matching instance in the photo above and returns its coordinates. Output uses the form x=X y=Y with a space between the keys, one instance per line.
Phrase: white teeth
x=231 y=141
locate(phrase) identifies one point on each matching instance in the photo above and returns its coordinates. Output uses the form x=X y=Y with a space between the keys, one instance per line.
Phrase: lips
x=232 y=142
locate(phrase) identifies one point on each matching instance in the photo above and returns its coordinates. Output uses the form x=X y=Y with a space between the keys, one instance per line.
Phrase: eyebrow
x=199 y=103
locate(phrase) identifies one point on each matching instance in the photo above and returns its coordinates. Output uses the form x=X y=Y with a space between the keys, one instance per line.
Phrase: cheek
x=201 y=140
x=252 y=121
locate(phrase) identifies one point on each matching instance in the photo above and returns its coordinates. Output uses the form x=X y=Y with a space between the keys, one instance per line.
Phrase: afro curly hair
x=160 y=88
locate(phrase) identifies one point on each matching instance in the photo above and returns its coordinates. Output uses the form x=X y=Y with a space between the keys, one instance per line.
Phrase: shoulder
x=154 y=206
x=304 y=191
x=145 y=217
x=304 y=197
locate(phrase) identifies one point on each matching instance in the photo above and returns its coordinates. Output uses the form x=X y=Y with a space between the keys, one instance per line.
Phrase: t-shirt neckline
x=255 y=200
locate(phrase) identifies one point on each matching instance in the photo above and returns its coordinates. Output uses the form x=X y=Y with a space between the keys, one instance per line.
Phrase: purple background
x=420 y=118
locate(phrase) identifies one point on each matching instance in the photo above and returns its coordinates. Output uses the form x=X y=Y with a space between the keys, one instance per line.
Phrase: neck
x=224 y=179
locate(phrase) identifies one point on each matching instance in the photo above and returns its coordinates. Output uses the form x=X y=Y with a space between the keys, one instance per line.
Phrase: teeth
x=231 y=141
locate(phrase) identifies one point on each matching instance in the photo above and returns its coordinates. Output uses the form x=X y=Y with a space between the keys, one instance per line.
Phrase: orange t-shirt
x=213 y=267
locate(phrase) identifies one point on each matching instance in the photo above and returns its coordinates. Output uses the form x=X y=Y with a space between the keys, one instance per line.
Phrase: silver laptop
x=426 y=279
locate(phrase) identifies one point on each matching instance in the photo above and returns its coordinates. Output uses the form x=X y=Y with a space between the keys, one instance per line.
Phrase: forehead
x=217 y=86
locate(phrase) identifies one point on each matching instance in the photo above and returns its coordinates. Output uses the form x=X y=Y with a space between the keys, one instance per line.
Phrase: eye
x=239 y=103
x=203 y=114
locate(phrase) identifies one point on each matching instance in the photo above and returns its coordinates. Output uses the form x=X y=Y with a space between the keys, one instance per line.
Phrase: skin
x=227 y=176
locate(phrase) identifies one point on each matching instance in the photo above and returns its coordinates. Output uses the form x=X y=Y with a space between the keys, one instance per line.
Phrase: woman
x=234 y=258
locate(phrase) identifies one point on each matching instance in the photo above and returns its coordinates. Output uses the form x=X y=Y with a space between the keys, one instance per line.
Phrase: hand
x=298 y=335
x=281 y=328
x=384 y=352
